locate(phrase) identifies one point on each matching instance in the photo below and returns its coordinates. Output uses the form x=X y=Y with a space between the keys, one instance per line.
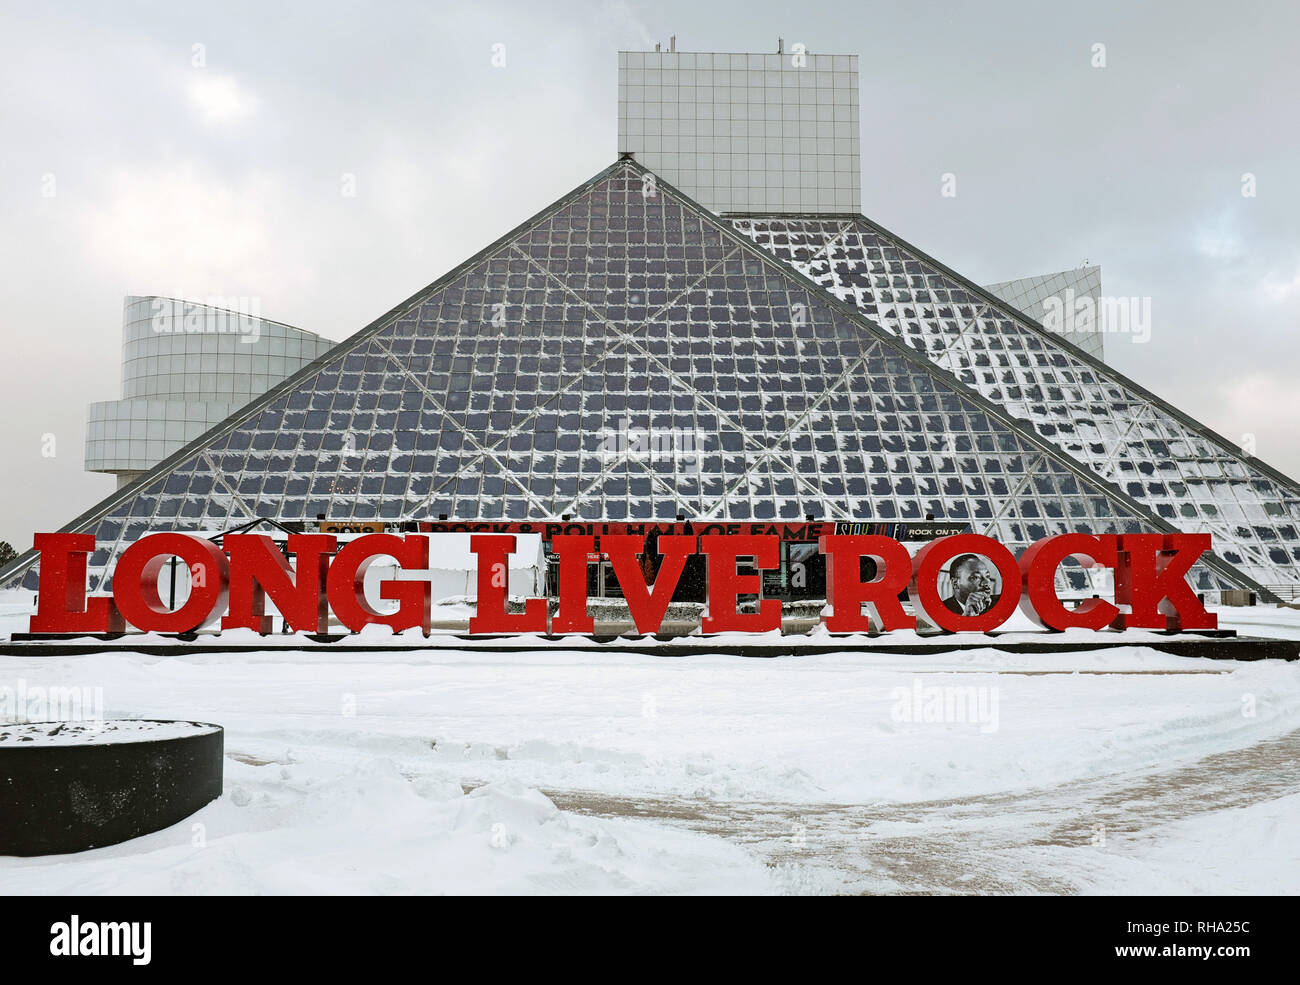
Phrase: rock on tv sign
x=235 y=580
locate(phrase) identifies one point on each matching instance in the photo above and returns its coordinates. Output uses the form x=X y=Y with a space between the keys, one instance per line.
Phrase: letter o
x=929 y=562
x=135 y=583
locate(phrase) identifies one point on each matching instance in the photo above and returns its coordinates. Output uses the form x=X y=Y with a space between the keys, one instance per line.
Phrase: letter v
x=647 y=605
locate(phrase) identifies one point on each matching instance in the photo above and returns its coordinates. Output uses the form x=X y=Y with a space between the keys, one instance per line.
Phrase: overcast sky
x=224 y=179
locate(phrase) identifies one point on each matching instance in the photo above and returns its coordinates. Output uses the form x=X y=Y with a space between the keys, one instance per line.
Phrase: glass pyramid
x=1177 y=469
x=625 y=309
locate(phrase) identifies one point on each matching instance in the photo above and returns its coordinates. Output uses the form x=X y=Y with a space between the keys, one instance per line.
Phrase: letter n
x=258 y=569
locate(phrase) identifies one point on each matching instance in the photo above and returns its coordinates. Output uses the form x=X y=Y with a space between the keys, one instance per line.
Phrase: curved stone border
x=70 y=786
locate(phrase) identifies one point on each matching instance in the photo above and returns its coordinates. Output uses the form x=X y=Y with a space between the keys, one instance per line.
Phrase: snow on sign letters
x=983 y=582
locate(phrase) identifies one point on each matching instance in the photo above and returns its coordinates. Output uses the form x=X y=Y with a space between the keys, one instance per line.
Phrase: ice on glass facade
x=893 y=391
x=1178 y=470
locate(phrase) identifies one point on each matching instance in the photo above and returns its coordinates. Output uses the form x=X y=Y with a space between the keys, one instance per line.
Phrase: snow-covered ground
x=1121 y=771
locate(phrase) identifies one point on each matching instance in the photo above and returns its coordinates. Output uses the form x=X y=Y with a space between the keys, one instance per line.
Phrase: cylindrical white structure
x=186 y=367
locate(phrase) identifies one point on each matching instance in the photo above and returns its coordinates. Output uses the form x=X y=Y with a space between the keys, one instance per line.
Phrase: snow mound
x=370 y=830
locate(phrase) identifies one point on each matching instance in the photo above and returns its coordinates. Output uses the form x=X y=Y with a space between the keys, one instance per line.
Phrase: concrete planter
x=71 y=786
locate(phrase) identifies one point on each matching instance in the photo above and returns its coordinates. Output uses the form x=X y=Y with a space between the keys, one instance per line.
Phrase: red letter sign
x=928 y=563
x=258 y=569
x=61 y=603
x=571 y=616
x=490 y=616
x=135 y=582
x=1152 y=579
x=1038 y=566
x=345 y=583
x=725 y=584
x=647 y=606
x=846 y=592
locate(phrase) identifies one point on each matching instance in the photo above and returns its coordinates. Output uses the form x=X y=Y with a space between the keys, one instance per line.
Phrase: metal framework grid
x=624 y=308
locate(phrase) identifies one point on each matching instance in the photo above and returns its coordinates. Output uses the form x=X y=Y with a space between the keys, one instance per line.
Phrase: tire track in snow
x=980 y=844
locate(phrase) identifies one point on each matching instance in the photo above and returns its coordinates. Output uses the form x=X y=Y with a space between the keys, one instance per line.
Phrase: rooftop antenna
x=658 y=47
x=780 y=46
x=672 y=43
